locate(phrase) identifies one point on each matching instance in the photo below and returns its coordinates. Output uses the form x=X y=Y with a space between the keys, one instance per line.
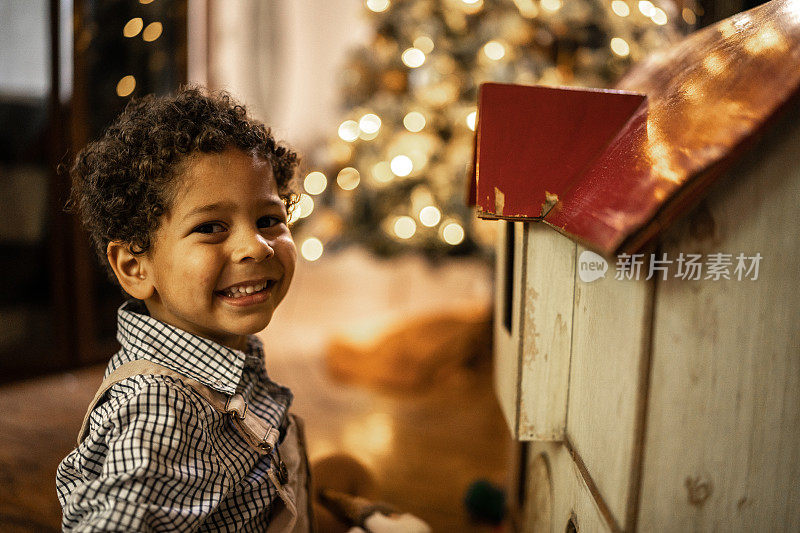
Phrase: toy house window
x=508 y=289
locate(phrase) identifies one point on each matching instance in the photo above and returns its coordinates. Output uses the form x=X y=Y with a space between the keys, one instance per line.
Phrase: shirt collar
x=210 y=363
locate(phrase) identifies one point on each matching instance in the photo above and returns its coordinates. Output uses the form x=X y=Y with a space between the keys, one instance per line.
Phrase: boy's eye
x=209 y=227
x=269 y=221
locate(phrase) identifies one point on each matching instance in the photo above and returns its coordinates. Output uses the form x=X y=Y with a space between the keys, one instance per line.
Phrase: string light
x=401 y=165
x=551 y=5
x=424 y=43
x=132 y=27
x=315 y=182
x=348 y=178
x=430 y=216
x=382 y=172
x=126 y=85
x=370 y=123
x=620 y=47
x=405 y=227
x=646 y=7
x=414 y=121
x=311 y=249
x=621 y=8
x=453 y=233
x=152 y=31
x=494 y=50
x=689 y=16
x=305 y=206
x=471 y=119
x=413 y=57
x=378 y=6
x=349 y=130
x=659 y=16
x=471 y=7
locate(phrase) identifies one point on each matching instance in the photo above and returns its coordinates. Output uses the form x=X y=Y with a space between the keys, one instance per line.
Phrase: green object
x=485 y=502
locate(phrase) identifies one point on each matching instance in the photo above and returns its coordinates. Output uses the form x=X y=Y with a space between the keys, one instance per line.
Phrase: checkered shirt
x=158 y=457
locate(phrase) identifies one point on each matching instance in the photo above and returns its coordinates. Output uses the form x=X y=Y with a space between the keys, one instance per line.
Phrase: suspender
x=258 y=433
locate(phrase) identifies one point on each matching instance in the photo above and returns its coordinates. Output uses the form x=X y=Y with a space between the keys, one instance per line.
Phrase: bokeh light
x=349 y=130
x=133 y=27
x=430 y=216
x=401 y=165
x=126 y=85
x=453 y=233
x=414 y=121
x=315 y=182
x=405 y=227
x=311 y=249
x=348 y=178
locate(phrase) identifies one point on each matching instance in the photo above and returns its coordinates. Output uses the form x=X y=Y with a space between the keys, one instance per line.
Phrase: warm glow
x=423 y=43
x=620 y=8
x=659 y=16
x=348 y=178
x=315 y=182
x=646 y=7
x=382 y=172
x=453 y=233
x=620 y=47
x=714 y=63
x=494 y=50
x=414 y=121
x=126 y=85
x=471 y=7
x=402 y=165
x=471 y=118
x=413 y=57
x=152 y=31
x=370 y=123
x=145 y=1
x=378 y=5
x=430 y=216
x=311 y=249
x=372 y=435
x=551 y=5
x=405 y=227
x=766 y=38
x=689 y=16
x=133 y=27
x=305 y=206
x=349 y=130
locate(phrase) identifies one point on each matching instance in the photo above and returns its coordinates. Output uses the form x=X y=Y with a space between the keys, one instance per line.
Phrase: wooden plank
x=546 y=333
x=507 y=342
x=611 y=334
x=556 y=493
x=722 y=446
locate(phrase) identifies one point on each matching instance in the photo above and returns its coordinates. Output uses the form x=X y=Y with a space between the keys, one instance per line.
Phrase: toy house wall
x=663 y=403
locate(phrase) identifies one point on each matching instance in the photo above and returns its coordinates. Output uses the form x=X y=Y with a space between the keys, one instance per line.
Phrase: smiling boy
x=186 y=201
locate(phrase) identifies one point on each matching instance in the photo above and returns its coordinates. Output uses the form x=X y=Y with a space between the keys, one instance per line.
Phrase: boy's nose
x=253 y=248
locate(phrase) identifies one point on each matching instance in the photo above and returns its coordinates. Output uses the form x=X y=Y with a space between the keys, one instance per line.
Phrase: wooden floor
x=424 y=448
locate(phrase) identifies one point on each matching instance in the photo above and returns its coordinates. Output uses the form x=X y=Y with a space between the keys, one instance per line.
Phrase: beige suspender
x=258 y=432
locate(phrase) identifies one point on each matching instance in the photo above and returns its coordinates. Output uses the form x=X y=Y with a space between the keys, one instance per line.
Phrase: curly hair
x=125 y=181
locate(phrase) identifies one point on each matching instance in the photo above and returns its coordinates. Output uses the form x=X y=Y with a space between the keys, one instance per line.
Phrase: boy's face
x=223 y=257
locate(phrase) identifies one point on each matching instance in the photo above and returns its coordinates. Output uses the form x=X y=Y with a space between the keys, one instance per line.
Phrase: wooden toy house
x=666 y=399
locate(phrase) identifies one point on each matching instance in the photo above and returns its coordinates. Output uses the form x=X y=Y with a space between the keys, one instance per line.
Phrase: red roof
x=612 y=169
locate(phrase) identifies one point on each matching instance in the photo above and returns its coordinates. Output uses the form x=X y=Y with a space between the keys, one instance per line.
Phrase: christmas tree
x=394 y=175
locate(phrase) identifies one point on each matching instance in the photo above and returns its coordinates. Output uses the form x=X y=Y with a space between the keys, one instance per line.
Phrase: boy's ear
x=132 y=270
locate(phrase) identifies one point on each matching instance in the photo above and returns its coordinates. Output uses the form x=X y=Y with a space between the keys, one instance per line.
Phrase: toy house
x=647 y=316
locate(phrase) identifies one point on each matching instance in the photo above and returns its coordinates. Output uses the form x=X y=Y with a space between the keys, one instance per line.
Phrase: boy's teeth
x=238 y=292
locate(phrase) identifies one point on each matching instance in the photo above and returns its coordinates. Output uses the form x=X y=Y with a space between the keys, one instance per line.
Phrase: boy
x=186 y=201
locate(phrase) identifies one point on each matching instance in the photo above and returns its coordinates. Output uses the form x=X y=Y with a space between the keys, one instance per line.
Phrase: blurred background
x=385 y=336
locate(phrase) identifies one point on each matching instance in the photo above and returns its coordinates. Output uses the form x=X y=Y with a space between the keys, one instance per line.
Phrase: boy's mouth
x=245 y=289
